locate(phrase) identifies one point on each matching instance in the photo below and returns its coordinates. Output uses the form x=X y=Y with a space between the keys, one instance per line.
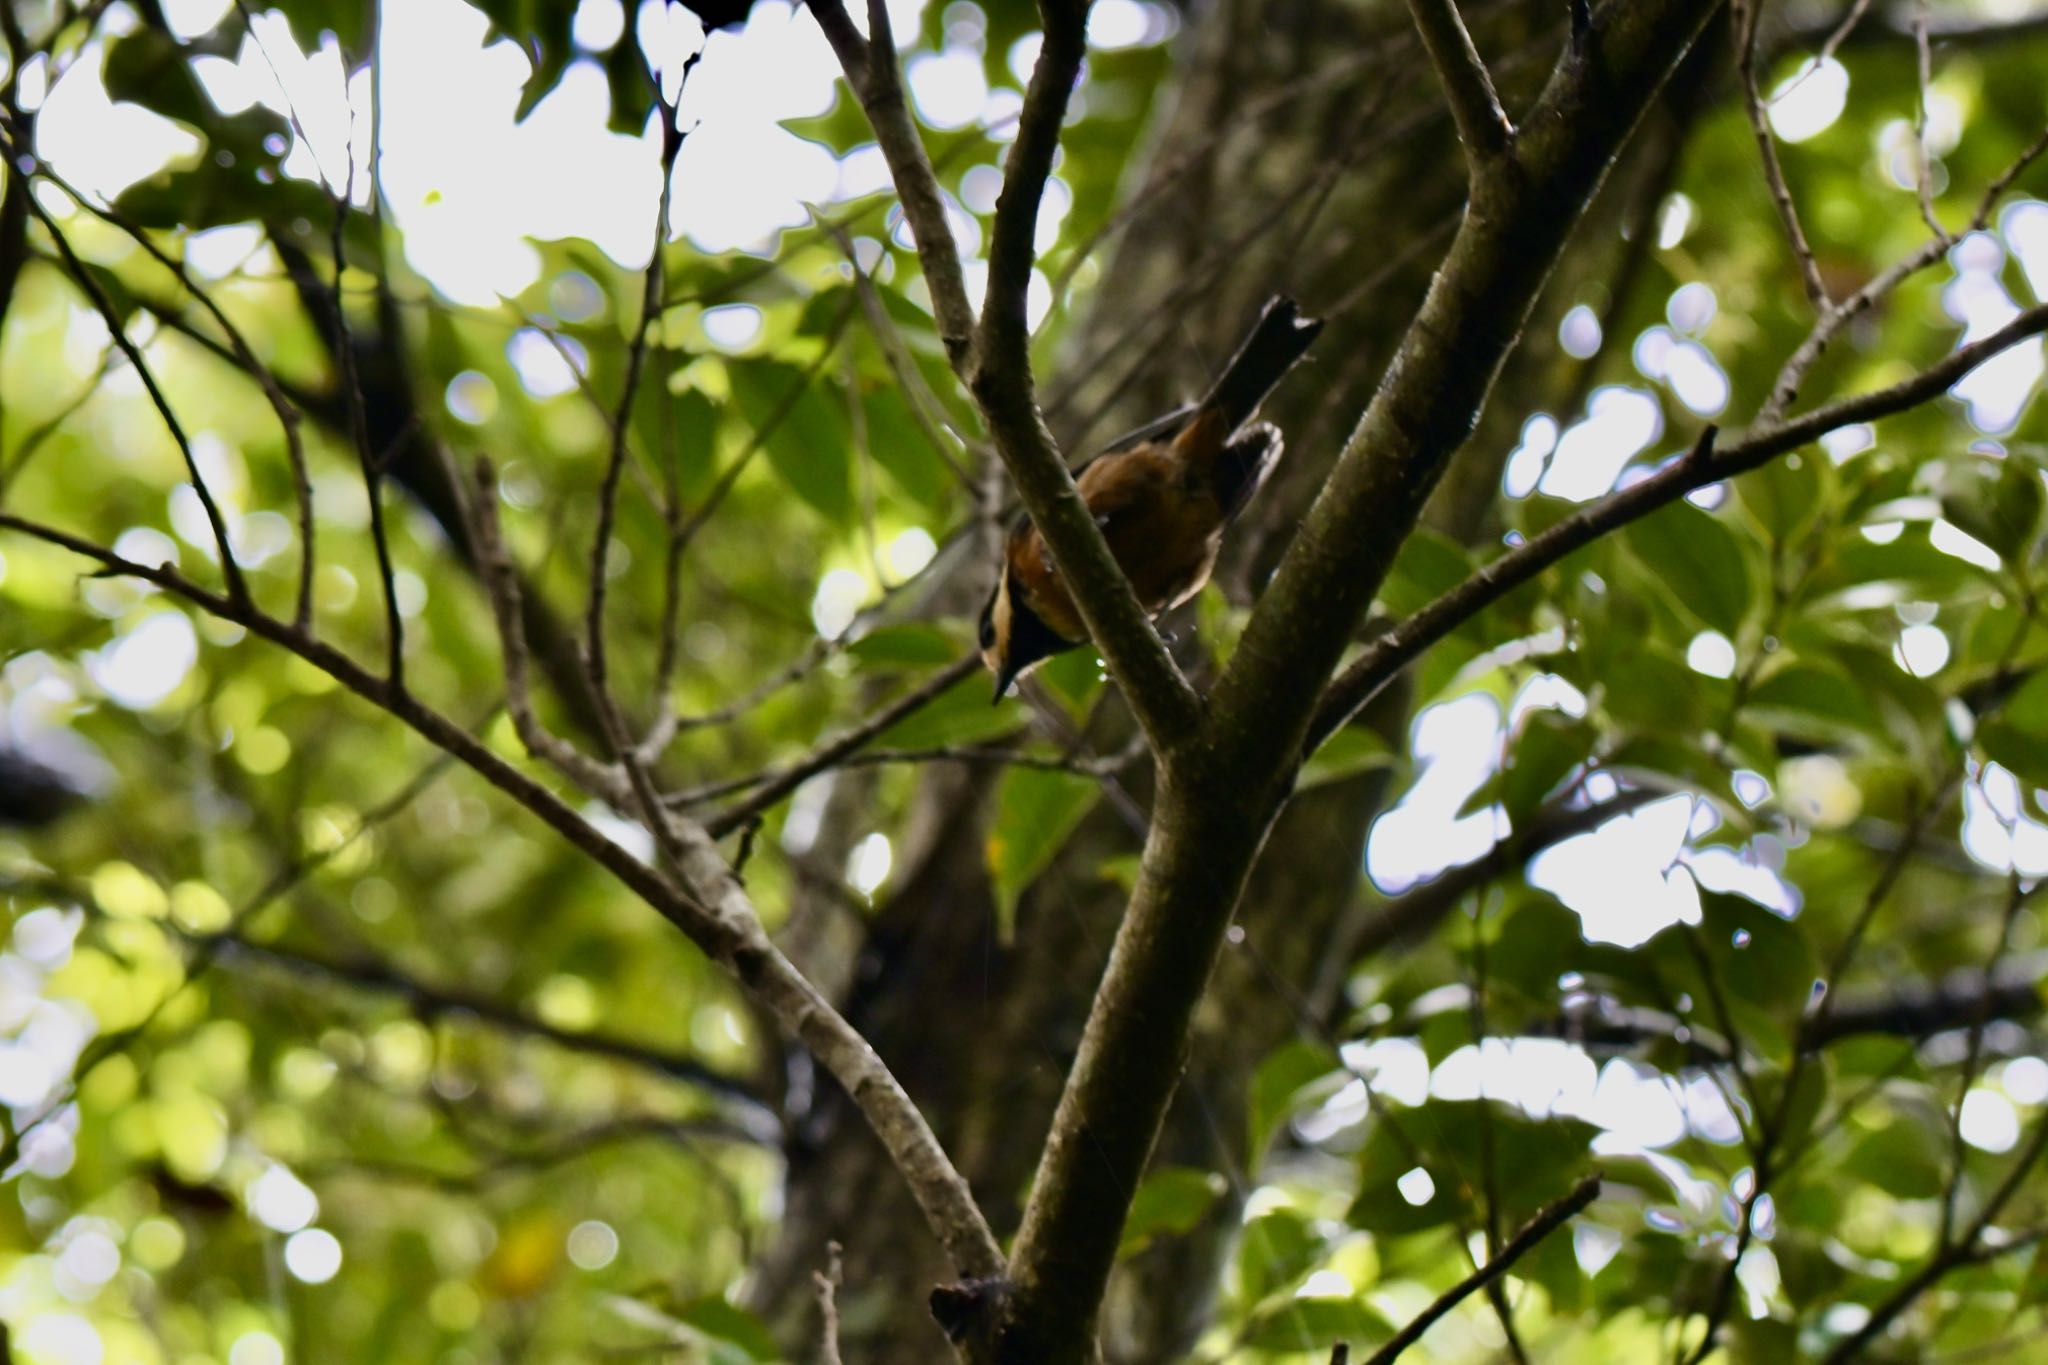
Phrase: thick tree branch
x=1483 y=125
x=1001 y=380
x=1012 y=237
x=1214 y=806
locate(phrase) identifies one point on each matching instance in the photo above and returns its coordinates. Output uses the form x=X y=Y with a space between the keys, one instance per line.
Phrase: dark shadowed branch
x=1483 y=125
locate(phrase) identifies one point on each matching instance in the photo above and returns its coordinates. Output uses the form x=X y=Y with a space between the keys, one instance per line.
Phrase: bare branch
x=1923 y=169
x=828 y=1281
x=871 y=71
x=1390 y=652
x=1548 y=1220
x=1483 y=126
x=231 y=572
x=672 y=137
x=500 y=582
x=708 y=905
x=794 y=775
x=288 y=417
x=1743 y=14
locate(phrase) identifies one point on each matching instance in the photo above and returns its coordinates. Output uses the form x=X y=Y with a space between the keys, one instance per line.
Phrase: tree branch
x=1483 y=126
x=1547 y=1221
x=709 y=906
x=1705 y=464
x=81 y=274
x=1744 y=14
x=871 y=71
x=1165 y=703
x=1216 y=799
x=374 y=975
x=1969 y=1249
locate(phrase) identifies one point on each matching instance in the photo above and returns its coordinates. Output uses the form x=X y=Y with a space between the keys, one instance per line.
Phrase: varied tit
x=1162 y=496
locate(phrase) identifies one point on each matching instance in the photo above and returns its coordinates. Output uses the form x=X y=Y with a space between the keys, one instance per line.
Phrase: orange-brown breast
x=1163 y=527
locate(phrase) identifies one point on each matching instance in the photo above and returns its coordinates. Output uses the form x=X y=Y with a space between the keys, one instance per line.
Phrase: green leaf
x=2025 y=752
x=1817 y=702
x=1535 y=1162
x=1784 y=494
x=1700 y=561
x=1429 y=565
x=1275 y=1250
x=1544 y=754
x=1903 y=1158
x=911 y=643
x=1347 y=753
x=347 y=20
x=900 y=447
x=631 y=86
x=959 y=715
x=149 y=67
x=541 y=28
x=1998 y=503
x=805 y=435
x=1035 y=812
x=723 y=1321
x=1172 y=1201
x=1757 y=955
x=1316 y=1325
x=1283 y=1082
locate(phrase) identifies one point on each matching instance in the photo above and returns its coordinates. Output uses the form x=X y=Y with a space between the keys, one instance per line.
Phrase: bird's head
x=1013 y=637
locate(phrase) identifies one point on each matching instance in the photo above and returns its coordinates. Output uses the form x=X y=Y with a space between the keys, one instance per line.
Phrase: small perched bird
x=1162 y=496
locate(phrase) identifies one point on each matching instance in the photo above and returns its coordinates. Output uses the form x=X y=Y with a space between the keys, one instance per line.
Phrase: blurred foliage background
x=312 y=1047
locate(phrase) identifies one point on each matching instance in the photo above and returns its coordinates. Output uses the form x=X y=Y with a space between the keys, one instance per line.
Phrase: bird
x=1163 y=496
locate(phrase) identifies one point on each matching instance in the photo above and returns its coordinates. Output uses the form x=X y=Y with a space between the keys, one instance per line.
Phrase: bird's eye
x=988 y=629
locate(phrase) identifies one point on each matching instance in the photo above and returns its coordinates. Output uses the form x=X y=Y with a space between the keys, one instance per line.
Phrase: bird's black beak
x=1005 y=675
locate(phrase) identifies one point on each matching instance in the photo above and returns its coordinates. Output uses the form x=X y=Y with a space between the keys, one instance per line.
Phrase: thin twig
x=1390 y=652
x=788 y=778
x=231 y=572
x=1547 y=1221
x=288 y=417
x=1969 y=1249
x=871 y=70
x=1743 y=14
x=926 y=412
x=1838 y=315
x=672 y=137
x=827 y=1281
x=1923 y=170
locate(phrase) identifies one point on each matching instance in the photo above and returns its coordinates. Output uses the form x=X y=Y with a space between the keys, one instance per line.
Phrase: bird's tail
x=1281 y=337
